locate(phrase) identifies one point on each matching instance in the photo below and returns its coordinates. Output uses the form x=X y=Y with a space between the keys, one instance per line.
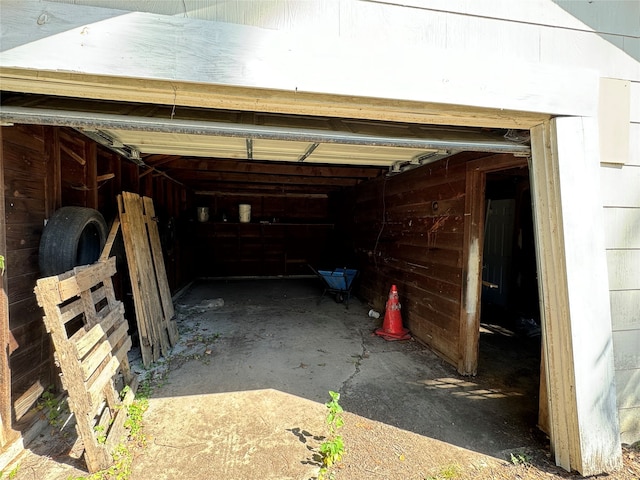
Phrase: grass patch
x=449 y=472
x=123 y=452
x=11 y=474
x=519 y=458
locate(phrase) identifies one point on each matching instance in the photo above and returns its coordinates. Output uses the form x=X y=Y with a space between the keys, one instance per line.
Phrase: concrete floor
x=273 y=335
x=242 y=394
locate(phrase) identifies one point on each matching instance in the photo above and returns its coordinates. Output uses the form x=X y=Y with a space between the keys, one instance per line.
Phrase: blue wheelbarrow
x=338 y=282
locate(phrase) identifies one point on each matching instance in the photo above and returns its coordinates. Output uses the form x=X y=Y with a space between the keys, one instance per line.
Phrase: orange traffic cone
x=392 y=326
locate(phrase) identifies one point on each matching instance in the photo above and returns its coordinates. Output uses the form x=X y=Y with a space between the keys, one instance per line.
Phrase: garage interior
x=404 y=204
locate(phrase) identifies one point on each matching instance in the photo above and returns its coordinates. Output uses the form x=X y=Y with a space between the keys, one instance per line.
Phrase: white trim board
x=575 y=309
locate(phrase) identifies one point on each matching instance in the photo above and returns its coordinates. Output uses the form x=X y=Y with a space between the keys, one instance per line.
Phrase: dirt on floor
x=375 y=450
x=242 y=396
x=372 y=450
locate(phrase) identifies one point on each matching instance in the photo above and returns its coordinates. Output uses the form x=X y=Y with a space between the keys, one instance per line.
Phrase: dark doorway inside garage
x=510 y=332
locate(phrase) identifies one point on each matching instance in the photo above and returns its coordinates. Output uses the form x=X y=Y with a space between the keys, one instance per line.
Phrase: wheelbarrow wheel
x=339 y=298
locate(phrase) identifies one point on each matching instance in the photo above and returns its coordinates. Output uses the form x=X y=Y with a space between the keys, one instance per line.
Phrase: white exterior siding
x=621 y=199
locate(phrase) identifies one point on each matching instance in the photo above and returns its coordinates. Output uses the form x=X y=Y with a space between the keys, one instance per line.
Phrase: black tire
x=73 y=236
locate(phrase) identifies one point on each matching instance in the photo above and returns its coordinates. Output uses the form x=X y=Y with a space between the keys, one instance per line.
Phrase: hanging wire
x=384 y=220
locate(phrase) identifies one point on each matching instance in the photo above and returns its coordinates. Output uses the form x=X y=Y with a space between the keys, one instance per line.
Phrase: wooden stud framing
x=93 y=359
x=53 y=184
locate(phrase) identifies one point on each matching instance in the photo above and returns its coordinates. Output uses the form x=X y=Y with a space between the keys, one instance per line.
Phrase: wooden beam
x=72 y=154
x=53 y=182
x=236 y=166
x=575 y=311
x=91 y=173
x=116 y=88
x=188 y=176
x=260 y=189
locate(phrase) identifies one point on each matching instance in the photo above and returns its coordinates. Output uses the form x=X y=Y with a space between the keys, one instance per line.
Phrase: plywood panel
x=624 y=269
x=622 y=227
x=619 y=186
x=625 y=310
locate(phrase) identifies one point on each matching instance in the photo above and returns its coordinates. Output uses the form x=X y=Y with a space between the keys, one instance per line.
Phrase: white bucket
x=245 y=212
x=203 y=214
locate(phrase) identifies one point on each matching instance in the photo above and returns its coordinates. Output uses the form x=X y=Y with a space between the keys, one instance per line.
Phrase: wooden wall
x=29 y=198
x=408 y=230
x=285 y=234
x=416 y=230
x=46 y=168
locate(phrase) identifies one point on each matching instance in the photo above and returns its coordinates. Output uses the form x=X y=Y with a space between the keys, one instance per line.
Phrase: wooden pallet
x=152 y=298
x=90 y=338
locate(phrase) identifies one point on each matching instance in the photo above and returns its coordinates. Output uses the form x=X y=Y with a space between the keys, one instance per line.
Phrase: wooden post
x=91 y=173
x=53 y=185
x=471 y=271
x=573 y=281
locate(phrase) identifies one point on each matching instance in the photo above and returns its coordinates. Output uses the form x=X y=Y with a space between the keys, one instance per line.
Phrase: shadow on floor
x=272 y=334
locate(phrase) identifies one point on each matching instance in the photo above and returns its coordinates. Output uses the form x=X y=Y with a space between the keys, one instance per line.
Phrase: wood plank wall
x=298 y=231
x=46 y=168
x=27 y=202
x=408 y=230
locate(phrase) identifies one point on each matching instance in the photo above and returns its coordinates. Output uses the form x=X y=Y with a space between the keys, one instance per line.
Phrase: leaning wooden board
x=161 y=273
x=152 y=299
x=89 y=334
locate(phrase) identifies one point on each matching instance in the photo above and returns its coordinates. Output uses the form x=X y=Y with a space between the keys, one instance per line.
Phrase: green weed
x=449 y=472
x=520 y=459
x=11 y=474
x=54 y=408
x=332 y=449
x=122 y=454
